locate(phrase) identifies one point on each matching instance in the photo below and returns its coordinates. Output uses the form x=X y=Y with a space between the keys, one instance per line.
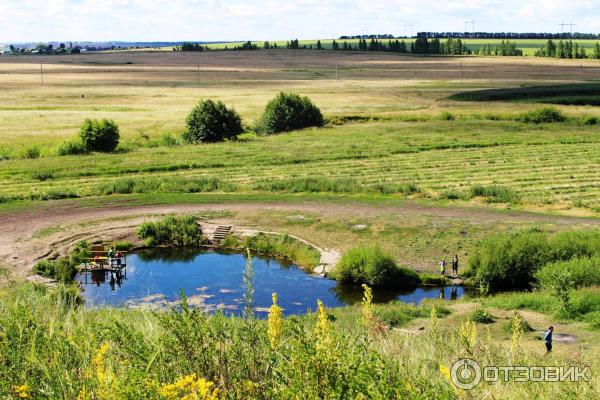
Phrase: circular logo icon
x=465 y=373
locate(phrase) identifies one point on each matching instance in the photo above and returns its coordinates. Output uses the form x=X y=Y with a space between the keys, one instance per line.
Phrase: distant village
x=71 y=47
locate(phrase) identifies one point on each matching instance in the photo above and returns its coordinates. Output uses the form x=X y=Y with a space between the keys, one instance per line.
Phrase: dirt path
x=64 y=223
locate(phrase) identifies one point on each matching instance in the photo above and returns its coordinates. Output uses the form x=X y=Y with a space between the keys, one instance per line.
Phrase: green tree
x=99 y=135
x=287 y=112
x=596 y=53
x=212 y=121
x=335 y=45
x=319 y=47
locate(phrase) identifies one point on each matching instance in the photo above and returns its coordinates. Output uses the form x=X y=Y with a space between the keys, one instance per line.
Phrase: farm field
x=392 y=130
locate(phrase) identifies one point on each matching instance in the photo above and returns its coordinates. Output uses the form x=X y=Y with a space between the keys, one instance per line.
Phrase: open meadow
x=408 y=160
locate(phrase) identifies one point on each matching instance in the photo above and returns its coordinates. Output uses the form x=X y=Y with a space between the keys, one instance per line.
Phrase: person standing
x=548 y=339
x=442 y=266
x=455 y=265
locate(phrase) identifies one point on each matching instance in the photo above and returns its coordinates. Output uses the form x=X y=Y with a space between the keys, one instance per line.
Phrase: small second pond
x=214 y=280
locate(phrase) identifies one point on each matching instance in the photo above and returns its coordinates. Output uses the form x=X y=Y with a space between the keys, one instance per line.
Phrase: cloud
x=147 y=20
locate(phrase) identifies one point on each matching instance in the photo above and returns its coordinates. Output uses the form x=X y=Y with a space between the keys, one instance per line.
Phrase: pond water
x=214 y=281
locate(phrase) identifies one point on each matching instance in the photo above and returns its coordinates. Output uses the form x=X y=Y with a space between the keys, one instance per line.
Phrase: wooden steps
x=221 y=232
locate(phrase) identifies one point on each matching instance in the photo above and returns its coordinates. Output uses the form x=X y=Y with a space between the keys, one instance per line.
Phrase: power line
x=472 y=23
x=562 y=27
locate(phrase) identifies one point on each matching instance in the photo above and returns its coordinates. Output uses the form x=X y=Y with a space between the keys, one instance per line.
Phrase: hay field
x=392 y=126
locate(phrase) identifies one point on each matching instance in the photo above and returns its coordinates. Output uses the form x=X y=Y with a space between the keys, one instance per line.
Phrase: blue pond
x=214 y=281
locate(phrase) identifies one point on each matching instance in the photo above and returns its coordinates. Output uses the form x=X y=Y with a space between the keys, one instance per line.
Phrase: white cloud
x=43 y=20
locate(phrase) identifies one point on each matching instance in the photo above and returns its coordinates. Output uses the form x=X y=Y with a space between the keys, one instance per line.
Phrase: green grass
x=585 y=304
x=135 y=353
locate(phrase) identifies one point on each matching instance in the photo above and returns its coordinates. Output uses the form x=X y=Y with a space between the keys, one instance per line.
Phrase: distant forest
x=508 y=35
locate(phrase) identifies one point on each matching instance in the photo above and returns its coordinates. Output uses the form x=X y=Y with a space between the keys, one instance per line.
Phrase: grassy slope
x=143 y=351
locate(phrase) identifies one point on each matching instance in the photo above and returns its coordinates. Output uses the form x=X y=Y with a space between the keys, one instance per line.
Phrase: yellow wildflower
x=189 y=387
x=468 y=334
x=21 y=391
x=275 y=323
x=433 y=320
x=323 y=329
x=368 y=318
x=517 y=331
x=98 y=362
x=445 y=371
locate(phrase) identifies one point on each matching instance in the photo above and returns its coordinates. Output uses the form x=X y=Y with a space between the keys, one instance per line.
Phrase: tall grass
x=51 y=349
x=171 y=231
x=283 y=246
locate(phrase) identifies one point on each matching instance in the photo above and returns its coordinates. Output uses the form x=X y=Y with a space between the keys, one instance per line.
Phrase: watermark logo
x=467 y=373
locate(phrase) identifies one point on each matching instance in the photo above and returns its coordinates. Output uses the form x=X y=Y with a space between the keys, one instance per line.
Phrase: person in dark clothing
x=455 y=265
x=548 y=339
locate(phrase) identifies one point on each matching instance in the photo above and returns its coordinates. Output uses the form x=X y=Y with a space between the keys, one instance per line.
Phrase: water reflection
x=214 y=281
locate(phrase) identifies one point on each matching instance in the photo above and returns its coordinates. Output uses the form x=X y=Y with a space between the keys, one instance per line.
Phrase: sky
x=212 y=20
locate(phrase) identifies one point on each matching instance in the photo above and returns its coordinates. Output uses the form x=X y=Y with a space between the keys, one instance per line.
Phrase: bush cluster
x=288 y=112
x=212 y=121
x=64 y=269
x=99 y=135
x=373 y=266
x=171 y=231
x=582 y=272
x=510 y=261
x=542 y=116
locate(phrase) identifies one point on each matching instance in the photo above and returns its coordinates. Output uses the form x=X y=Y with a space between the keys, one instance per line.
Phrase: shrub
x=99 y=135
x=482 y=316
x=447 y=116
x=32 y=152
x=64 y=269
x=542 y=116
x=169 y=140
x=288 y=112
x=495 y=194
x=587 y=120
x=212 y=121
x=71 y=147
x=172 y=231
x=583 y=272
x=372 y=266
x=510 y=261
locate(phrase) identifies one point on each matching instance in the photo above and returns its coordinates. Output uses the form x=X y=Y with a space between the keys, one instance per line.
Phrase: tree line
x=422 y=45
x=567 y=49
x=507 y=35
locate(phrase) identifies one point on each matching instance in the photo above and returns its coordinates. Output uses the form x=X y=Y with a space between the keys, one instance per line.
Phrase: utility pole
x=42 y=73
x=562 y=26
x=472 y=23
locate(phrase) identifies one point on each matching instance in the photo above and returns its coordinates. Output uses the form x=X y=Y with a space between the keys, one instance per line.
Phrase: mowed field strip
x=388 y=125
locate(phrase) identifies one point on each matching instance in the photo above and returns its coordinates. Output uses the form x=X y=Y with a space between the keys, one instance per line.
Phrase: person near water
x=548 y=339
x=442 y=267
x=110 y=255
x=455 y=265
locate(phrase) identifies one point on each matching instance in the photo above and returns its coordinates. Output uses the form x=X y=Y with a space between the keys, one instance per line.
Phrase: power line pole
x=562 y=28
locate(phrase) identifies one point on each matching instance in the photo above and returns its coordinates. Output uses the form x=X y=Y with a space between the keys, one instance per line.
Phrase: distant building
x=7 y=51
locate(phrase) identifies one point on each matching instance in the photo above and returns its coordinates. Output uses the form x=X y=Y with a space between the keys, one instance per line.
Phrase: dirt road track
x=21 y=245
